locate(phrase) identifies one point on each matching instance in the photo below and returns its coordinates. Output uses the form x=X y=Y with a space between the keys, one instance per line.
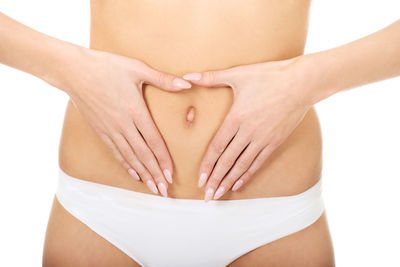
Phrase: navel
x=190 y=114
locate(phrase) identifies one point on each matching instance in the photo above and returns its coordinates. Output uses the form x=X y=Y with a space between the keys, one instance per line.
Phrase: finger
x=163 y=80
x=256 y=164
x=226 y=161
x=149 y=131
x=110 y=144
x=212 y=78
x=146 y=156
x=218 y=144
x=241 y=165
x=127 y=152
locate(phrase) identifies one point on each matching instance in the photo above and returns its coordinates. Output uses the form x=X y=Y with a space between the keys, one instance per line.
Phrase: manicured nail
x=168 y=176
x=195 y=76
x=237 y=185
x=152 y=186
x=209 y=194
x=162 y=189
x=134 y=174
x=202 y=179
x=181 y=83
x=220 y=192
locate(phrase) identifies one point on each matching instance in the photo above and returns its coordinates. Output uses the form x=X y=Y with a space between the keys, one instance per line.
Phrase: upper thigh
x=69 y=242
x=311 y=247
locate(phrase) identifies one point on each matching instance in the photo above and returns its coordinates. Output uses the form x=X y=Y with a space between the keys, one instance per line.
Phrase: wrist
x=312 y=78
x=63 y=60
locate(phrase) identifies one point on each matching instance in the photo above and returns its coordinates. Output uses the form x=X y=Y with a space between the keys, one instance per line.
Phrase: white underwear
x=156 y=231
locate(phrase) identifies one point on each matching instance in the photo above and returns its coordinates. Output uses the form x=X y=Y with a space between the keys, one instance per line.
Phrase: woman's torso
x=181 y=36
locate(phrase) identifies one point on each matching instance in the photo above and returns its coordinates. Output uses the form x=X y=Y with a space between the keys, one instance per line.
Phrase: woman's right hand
x=106 y=88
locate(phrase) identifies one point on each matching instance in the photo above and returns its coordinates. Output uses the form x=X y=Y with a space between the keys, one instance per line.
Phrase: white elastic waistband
x=68 y=183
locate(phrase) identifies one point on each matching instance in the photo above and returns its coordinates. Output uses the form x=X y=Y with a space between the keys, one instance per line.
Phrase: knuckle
x=227 y=183
x=141 y=171
x=144 y=157
x=139 y=168
x=143 y=174
x=207 y=165
x=131 y=160
x=118 y=157
x=149 y=160
x=126 y=152
x=115 y=152
x=162 y=159
x=132 y=110
x=229 y=178
x=278 y=140
x=226 y=162
x=241 y=115
x=162 y=78
x=253 y=168
x=153 y=142
x=137 y=64
x=109 y=144
x=244 y=140
x=152 y=167
x=156 y=174
x=126 y=165
x=235 y=119
x=242 y=164
x=159 y=179
x=106 y=140
x=265 y=153
x=120 y=125
x=246 y=176
x=218 y=148
x=250 y=129
x=131 y=138
x=137 y=111
x=212 y=182
x=210 y=76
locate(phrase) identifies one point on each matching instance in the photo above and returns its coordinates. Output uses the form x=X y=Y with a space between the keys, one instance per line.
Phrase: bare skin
x=182 y=52
x=274 y=31
x=179 y=48
x=153 y=33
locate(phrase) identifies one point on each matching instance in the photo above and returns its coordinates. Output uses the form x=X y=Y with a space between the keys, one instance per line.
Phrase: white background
x=360 y=130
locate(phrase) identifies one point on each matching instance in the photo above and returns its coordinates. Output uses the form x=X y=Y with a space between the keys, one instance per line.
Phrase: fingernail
x=237 y=185
x=202 y=179
x=167 y=175
x=152 y=186
x=181 y=83
x=220 y=192
x=195 y=76
x=162 y=189
x=209 y=194
x=134 y=174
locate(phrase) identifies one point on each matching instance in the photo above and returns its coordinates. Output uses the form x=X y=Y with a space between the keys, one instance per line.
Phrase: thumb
x=164 y=80
x=213 y=78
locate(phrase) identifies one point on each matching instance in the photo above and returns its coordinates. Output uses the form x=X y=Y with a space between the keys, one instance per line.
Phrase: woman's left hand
x=268 y=105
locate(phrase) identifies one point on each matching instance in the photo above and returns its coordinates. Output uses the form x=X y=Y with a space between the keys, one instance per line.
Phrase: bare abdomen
x=178 y=38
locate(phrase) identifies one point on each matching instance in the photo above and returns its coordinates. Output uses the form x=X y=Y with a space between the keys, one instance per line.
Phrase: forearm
x=36 y=53
x=372 y=58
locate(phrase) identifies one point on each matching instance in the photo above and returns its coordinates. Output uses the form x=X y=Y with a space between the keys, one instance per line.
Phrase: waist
x=294 y=166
